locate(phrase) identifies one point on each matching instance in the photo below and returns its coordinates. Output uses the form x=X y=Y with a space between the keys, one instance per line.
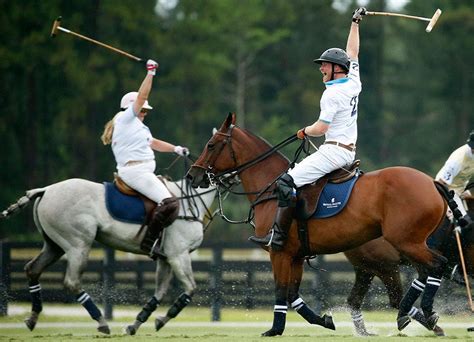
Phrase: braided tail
x=22 y=202
x=448 y=195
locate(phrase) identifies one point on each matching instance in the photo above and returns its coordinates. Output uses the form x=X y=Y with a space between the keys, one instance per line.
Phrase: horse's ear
x=214 y=131
x=230 y=120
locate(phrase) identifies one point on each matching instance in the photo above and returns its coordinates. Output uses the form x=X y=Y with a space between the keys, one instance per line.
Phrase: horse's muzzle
x=197 y=177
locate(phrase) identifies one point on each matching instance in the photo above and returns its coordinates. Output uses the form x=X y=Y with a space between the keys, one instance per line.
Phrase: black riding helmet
x=470 y=140
x=335 y=56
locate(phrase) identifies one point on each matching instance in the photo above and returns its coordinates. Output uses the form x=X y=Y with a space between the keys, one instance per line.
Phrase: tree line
x=252 y=57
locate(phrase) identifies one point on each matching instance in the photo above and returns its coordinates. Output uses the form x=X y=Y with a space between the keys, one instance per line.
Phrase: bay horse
x=399 y=203
x=378 y=258
x=72 y=214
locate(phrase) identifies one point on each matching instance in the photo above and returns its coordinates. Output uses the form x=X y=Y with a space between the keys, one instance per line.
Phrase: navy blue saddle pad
x=334 y=197
x=123 y=207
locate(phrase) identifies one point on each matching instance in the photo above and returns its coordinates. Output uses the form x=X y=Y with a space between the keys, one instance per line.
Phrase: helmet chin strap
x=335 y=72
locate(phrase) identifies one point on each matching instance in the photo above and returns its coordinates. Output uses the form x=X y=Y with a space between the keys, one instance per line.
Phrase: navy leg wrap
x=432 y=286
x=35 y=293
x=279 y=315
x=148 y=310
x=411 y=296
x=309 y=315
x=86 y=301
x=178 y=305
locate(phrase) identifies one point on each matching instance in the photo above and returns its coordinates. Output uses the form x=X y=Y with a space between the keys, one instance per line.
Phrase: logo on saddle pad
x=334 y=198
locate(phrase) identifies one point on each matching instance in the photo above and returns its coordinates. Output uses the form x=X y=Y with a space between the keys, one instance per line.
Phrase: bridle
x=225 y=180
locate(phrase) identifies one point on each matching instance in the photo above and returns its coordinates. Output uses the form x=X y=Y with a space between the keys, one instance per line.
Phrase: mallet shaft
x=56 y=28
x=463 y=265
x=399 y=15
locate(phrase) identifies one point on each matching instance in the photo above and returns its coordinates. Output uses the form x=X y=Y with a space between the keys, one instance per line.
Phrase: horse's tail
x=22 y=202
x=448 y=195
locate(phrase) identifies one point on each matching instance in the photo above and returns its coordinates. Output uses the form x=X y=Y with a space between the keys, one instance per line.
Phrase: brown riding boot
x=279 y=234
x=164 y=215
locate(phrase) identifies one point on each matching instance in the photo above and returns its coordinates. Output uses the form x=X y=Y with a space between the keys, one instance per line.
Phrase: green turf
x=184 y=328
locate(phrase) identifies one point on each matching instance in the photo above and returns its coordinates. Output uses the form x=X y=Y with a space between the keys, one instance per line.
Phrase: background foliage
x=253 y=57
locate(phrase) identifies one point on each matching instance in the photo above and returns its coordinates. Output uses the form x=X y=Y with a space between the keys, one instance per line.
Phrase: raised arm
x=145 y=87
x=352 y=47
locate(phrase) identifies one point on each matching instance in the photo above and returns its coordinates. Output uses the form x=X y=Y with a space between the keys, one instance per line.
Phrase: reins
x=220 y=180
x=258 y=159
x=190 y=195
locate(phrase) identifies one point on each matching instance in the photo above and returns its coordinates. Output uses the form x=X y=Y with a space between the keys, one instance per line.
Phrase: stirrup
x=154 y=254
x=262 y=241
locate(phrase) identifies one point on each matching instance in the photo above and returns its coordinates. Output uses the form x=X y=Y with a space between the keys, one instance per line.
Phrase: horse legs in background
x=76 y=262
x=427 y=285
x=393 y=284
x=359 y=290
x=181 y=267
x=34 y=268
x=298 y=304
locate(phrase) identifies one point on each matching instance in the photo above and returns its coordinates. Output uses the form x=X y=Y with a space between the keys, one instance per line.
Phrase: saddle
x=308 y=195
x=150 y=238
x=308 y=198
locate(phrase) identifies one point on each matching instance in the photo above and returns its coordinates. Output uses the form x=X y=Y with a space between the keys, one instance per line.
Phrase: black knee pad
x=167 y=211
x=285 y=191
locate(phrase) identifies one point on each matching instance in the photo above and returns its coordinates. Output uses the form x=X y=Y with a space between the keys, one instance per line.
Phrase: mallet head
x=433 y=20
x=56 y=24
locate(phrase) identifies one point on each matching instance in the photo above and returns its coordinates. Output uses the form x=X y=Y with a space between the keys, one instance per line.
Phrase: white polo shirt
x=131 y=139
x=458 y=169
x=339 y=106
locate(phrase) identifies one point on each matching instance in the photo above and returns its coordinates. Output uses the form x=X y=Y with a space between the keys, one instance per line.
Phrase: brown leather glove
x=301 y=133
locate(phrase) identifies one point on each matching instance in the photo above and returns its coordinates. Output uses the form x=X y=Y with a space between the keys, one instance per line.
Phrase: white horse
x=72 y=214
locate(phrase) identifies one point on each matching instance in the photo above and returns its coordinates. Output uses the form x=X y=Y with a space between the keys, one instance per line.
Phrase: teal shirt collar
x=339 y=80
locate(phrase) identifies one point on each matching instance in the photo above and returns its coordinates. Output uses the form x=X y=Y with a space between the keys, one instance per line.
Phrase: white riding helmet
x=129 y=98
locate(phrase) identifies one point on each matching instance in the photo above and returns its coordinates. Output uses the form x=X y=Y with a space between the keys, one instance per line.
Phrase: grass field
x=66 y=323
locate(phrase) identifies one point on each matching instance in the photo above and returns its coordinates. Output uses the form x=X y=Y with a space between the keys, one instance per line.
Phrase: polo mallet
x=432 y=20
x=461 y=257
x=57 y=28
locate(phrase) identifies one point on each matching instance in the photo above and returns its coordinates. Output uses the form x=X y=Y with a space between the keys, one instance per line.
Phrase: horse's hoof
x=470 y=329
x=30 y=323
x=272 y=332
x=159 y=324
x=328 y=322
x=130 y=330
x=432 y=320
x=402 y=322
x=438 y=331
x=104 y=329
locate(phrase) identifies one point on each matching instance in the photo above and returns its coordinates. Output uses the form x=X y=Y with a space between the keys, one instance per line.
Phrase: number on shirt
x=353 y=103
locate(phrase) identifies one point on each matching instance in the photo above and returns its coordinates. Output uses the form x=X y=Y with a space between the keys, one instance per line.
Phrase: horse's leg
x=428 y=283
x=359 y=290
x=183 y=271
x=48 y=255
x=298 y=304
x=393 y=284
x=163 y=276
x=76 y=262
x=281 y=265
x=431 y=264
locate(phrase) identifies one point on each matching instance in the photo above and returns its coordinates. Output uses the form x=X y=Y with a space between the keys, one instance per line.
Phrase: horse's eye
x=210 y=146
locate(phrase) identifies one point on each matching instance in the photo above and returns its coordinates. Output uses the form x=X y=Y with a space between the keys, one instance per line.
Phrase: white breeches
x=142 y=178
x=326 y=159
